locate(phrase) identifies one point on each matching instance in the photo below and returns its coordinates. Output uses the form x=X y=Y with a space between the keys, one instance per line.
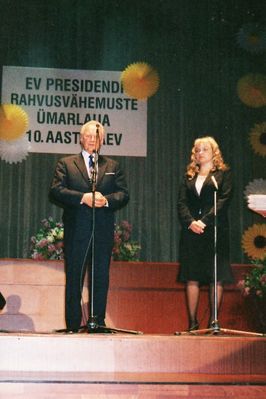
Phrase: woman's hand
x=197 y=226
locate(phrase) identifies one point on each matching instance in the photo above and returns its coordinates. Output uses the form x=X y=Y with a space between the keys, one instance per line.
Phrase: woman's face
x=203 y=153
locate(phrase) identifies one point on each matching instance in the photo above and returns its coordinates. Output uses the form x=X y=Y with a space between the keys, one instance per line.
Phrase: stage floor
x=170 y=358
x=88 y=365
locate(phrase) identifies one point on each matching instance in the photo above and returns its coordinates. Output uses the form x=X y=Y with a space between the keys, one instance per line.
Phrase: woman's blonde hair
x=218 y=162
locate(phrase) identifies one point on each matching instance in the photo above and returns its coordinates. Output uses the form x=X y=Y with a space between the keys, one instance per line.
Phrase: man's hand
x=100 y=200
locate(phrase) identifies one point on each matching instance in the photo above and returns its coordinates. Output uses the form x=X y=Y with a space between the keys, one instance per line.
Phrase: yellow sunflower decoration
x=251 y=90
x=140 y=80
x=13 y=122
x=258 y=139
x=254 y=241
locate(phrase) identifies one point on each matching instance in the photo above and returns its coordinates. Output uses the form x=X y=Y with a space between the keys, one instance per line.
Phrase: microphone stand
x=215 y=328
x=215 y=324
x=92 y=325
x=92 y=321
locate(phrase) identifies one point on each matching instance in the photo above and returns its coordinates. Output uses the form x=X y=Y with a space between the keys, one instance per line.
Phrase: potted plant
x=253 y=287
x=48 y=242
x=124 y=248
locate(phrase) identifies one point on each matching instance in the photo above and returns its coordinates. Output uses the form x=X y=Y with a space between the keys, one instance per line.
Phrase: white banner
x=59 y=101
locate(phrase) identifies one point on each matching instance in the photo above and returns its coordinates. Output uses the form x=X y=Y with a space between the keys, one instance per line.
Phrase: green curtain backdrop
x=193 y=46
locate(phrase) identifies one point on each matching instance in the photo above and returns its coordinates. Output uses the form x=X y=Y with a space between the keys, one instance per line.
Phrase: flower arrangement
x=124 y=248
x=254 y=282
x=48 y=242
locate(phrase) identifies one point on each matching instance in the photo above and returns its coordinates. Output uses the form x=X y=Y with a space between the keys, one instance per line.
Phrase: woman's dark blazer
x=197 y=250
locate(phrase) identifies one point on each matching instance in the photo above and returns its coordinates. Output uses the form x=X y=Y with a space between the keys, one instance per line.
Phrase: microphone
x=97 y=138
x=214 y=182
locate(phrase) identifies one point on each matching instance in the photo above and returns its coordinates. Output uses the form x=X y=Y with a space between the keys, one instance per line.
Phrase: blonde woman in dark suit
x=196 y=212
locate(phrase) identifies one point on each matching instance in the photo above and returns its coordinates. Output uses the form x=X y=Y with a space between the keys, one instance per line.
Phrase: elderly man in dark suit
x=90 y=187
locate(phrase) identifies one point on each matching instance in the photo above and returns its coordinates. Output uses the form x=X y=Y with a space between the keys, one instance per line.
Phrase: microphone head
x=99 y=137
x=97 y=131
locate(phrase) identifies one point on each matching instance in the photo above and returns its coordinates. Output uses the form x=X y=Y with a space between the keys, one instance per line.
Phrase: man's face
x=90 y=140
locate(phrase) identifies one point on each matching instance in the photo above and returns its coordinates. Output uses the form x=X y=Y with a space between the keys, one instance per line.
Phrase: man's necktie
x=91 y=165
x=91 y=162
